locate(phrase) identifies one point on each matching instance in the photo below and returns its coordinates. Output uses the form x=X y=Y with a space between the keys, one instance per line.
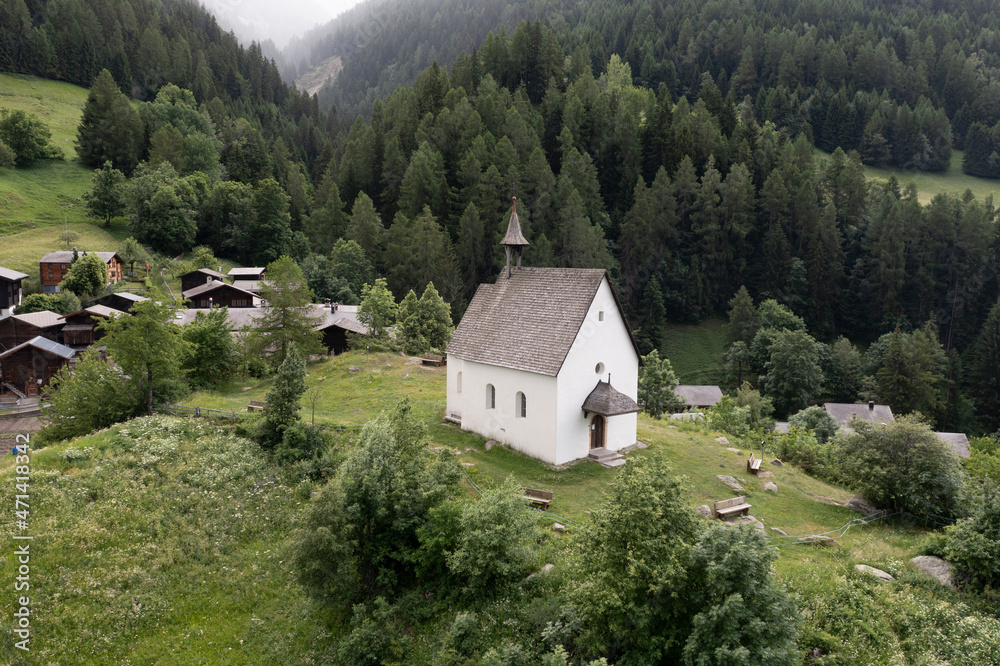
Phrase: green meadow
x=167 y=539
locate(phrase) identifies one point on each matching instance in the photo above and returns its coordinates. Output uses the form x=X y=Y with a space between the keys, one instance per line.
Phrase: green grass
x=928 y=184
x=39 y=202
x=696 y=350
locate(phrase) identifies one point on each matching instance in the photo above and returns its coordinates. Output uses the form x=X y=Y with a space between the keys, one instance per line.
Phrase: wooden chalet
x=198 y=277
x=19 y=328
x=53 y=268
x=120 y=300
x=81 y=327
x=29 y=366
x=10 y=289
x=253 y=274
x=220 y=294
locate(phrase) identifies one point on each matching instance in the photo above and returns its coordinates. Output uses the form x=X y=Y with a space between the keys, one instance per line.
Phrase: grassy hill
x=166 y=539
x=38 y=204
x=928 y=184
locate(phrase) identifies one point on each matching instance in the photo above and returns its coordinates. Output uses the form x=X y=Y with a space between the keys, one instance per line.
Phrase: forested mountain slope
x=902 y=82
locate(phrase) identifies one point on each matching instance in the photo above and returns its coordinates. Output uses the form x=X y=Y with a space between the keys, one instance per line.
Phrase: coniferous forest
x=670 y=142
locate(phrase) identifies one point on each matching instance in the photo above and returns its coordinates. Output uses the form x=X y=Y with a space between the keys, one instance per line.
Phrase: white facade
x=554 y=427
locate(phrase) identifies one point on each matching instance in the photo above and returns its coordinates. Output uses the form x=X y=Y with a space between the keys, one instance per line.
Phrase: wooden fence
x=183 y=410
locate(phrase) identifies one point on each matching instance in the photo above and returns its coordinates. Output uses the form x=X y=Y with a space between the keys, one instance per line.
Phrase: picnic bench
x=256 y=406
x=732 y=507
x=540 y=497
x=753 y=464
x=434 y=360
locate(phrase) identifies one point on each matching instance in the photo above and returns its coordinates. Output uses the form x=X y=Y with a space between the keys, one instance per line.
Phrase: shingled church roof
x=527 y=322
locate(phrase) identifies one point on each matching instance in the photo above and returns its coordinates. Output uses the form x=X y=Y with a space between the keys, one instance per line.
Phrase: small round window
x=599 y=369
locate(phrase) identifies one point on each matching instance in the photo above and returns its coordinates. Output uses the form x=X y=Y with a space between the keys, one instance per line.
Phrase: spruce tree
x=984 y=371
x=110 y=129
x=282 y=410
x=742 y=317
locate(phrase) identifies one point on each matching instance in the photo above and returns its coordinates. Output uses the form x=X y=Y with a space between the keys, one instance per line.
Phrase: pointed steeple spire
x=514 y=241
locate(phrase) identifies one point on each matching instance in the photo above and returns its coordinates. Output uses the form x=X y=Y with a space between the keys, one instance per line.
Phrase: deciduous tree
x=656 y=386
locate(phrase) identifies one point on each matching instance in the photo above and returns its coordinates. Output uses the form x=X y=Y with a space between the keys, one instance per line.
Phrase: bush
x=493 y=544
x=818 y=420
x=749 y=412
x=901 y=466
x=743 y=616
x=973 y=543
x=800 y=448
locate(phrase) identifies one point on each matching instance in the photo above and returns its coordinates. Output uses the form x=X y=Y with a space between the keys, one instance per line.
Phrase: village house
x=120 y=300
x=544 y=361
x=53 y=268
x=80 y=328
x=698 y=397
x=19 y=328
x=334 y=321
x=957 y=442
x=10 y=290
x=198 y=277
x=29 y=366
x=220 y=294
x=843 y=412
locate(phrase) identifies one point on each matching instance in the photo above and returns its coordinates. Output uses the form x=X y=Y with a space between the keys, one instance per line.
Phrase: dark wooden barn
x=10 y=289
x=198 y=277
x=29 y=366
x=219 y=294
x=19 y=328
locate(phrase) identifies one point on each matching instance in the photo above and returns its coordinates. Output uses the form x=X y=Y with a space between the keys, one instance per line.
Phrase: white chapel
x=544 y=362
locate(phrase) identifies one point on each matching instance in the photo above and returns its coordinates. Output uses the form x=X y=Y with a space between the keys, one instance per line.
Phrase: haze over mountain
x=263 y=20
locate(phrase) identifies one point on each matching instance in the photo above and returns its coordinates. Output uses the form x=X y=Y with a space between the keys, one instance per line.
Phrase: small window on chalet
x=520 y=405
x=458 y=382
x=600 y=315
x=491 y=397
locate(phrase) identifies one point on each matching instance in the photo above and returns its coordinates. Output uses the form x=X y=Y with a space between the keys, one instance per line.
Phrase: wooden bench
x=753 y=465
x=540 y=497
x=434 y=360
x=256 y=406
x=732 y=507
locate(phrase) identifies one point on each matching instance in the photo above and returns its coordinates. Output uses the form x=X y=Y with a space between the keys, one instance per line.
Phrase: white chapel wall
x=604 y=342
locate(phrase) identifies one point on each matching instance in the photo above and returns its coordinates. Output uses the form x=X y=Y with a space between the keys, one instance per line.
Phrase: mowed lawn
x=929 y=184
x=38 y=203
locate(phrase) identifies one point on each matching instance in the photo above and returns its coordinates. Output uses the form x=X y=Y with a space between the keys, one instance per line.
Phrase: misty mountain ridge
x=278 y=22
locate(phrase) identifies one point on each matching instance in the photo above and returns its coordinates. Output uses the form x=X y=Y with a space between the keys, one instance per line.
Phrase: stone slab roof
x=607 y=401
x=527 y=322
x=213 y=286
x=699 y=396
x=38 y=342
x=96 y=311
x=128 y=296
x=246 y=273
x=958 y=442
x=844 y=412
x=43 y=319
x=66 y=256
x=205 y=271
x=11 y=275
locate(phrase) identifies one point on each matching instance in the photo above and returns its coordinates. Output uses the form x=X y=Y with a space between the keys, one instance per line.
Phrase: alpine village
x=469 y=332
